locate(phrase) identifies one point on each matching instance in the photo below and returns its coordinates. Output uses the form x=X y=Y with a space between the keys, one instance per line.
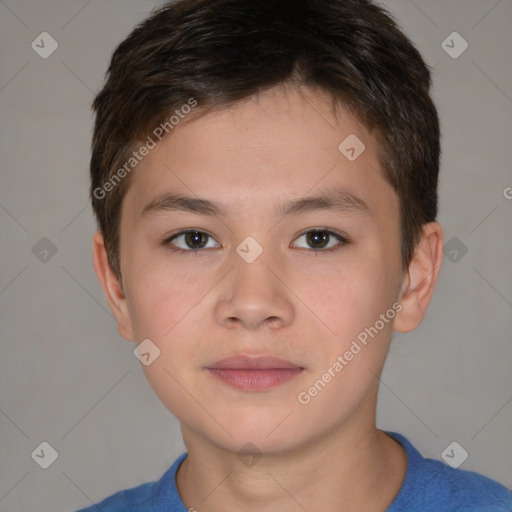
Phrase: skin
x=295 y=301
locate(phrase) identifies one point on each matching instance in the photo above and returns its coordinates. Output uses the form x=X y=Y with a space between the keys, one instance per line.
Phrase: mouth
x=254 y=373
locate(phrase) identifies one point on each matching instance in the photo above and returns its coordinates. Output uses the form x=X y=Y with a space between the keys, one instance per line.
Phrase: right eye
x=190 y=241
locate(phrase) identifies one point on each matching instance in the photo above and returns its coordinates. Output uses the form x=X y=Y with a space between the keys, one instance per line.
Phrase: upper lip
x=252 y=362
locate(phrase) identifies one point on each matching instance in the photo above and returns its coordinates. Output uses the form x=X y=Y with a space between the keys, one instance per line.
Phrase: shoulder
x=433 y=486
x=146 y=497
x=137 y=498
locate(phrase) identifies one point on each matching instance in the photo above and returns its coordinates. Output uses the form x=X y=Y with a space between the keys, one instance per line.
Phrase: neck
x=353 y=467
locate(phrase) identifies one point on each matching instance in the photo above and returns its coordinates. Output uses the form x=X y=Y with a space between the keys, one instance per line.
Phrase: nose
x=254 y=296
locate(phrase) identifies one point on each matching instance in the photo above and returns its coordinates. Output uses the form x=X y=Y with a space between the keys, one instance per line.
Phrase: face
x=295 y=253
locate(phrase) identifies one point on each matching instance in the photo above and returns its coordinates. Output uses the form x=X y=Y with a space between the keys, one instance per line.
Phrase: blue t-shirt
x=429 y=486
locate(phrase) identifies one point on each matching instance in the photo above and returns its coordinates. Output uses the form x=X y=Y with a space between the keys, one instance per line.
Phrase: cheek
x=161 y=298
x=347 y=298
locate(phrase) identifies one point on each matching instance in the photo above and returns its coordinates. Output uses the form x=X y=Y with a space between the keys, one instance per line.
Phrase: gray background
x=66 y=376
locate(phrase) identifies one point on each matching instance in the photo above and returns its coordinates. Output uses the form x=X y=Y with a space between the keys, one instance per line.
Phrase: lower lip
x=255 y=380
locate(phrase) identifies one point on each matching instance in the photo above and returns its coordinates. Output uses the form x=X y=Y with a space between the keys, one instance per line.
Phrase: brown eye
x=317 y=239
x=189 y=241
x=322 y=239
x=195 y=239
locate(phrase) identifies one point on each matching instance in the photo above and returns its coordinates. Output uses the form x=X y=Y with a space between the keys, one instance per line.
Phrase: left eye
x=322 y=239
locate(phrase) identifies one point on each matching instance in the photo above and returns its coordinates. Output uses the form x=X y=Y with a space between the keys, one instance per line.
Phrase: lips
x=247 y=362
x=254 y=373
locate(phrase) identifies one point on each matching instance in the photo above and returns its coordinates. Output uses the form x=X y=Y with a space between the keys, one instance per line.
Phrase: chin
x=268 y=433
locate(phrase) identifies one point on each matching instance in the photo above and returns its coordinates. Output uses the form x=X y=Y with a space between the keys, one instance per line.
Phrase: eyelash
x=195 y=252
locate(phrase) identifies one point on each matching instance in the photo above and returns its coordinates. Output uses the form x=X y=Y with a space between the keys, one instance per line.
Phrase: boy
x=264 y=175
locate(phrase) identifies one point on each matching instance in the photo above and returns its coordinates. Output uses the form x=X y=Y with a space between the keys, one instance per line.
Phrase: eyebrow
x=335 y=199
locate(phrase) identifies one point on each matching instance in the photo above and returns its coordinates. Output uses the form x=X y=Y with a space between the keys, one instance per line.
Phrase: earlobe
x=420 y=279
x=111 y=287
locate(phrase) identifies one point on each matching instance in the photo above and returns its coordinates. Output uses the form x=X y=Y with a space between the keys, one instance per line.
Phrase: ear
x=111 y=287
x=420 y=278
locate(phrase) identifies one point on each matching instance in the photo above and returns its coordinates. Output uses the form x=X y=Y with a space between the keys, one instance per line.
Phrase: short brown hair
x=219 y=52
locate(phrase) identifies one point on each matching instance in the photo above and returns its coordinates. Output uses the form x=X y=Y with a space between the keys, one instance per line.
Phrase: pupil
x=315 y=237
x=194 y=237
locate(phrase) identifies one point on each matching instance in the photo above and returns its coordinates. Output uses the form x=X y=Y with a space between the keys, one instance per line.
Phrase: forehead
x=280 y=145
